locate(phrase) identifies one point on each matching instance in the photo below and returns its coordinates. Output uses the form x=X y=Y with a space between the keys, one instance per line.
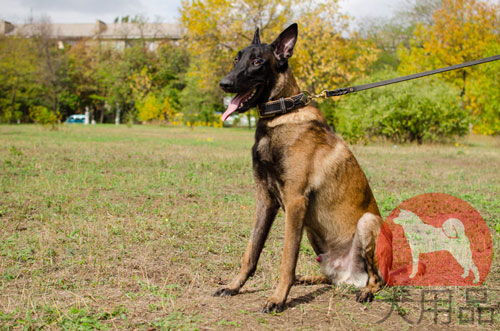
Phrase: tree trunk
x=464 y=75
x=117 y=114
x=101 y=119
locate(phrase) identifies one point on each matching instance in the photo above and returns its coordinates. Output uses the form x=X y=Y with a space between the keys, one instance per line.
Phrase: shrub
x=42 y=115
x=152 y=108
x=421 y=110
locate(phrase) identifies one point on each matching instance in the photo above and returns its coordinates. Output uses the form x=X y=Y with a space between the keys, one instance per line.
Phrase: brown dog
x=301 y=166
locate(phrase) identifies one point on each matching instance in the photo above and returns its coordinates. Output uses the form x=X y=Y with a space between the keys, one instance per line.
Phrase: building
x=118 y=35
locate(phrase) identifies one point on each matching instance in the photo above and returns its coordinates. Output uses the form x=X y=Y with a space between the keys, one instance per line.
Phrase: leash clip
x=311 y=96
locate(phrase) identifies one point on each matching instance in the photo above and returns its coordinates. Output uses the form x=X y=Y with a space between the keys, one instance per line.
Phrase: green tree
x=82 y=59
x=18 y=84
x=53 y=66
x=172 y=65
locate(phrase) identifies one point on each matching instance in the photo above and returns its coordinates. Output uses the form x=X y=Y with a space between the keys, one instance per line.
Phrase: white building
x=119 y=35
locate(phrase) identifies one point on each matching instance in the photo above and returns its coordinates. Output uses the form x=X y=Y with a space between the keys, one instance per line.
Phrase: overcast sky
x=87 y=11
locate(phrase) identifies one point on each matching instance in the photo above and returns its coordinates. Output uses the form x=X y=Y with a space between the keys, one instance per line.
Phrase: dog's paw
x=364 y=296
x=272 y=307
x=225 y=292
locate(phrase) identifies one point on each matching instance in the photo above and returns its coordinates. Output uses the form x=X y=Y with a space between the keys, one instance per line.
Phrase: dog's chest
x=268 y=158
x=263 y=152
x=269 y=154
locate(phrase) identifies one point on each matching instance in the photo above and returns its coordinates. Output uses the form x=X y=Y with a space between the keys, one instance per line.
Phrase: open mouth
x=241 y=102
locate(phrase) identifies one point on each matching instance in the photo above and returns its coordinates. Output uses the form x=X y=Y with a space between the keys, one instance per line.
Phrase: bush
x=152 y=108
x=43 y=116
x=423 y=110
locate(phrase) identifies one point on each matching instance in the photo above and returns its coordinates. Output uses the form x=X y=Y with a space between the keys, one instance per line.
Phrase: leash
x=285 y=105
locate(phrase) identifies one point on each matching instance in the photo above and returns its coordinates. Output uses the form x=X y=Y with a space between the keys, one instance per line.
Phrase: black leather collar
x=283 y=105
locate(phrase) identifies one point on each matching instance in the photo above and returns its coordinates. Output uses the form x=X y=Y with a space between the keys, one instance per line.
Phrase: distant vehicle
x=77 y=118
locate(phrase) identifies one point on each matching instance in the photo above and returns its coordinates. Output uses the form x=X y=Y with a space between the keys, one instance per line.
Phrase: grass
x=105 y=227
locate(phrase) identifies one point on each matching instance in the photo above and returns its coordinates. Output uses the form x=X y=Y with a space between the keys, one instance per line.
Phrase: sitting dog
x=301 y=166
x=425 y=238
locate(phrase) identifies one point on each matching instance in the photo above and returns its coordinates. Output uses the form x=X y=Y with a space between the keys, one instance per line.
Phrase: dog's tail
x=454 y=228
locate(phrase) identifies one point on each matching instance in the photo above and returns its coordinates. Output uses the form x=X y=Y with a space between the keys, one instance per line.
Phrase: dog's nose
x=226 y=84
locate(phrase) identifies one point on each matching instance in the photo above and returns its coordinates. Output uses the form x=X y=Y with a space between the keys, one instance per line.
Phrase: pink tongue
x=234 y=104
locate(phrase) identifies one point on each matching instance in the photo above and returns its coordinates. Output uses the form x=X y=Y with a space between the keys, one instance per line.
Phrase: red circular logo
x=437 y=240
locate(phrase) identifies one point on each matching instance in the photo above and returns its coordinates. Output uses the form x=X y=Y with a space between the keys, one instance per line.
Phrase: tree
x=414 y=12
x=215 y=31
x=82 y=59
x=461 y=30
x=325 y=56
x=485 y=96
x=53 y=74
x=172 y=64
x=388 y=34
x=18 y=84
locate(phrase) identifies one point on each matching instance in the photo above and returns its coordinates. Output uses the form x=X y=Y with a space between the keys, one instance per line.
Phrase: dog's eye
x=236 y=59
x=257 y=62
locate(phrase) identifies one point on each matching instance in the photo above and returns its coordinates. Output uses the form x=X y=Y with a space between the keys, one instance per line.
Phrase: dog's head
x=256 y=70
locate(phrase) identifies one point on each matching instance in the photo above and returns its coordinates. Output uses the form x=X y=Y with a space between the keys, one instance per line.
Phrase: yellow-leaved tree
x=149 y=105
x=485 y=96
x=140 y=83
x=327 y=55
x=461 y=31
x=214 y=31
x=152 y=108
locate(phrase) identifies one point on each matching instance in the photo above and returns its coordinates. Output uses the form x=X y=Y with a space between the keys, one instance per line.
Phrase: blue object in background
x=77 y=118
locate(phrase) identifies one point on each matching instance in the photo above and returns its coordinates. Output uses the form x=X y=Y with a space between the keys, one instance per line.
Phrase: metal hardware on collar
x=320 y=95
x=283 y=105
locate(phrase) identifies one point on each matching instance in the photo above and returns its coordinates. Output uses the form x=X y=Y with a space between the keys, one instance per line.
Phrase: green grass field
x=105 y=227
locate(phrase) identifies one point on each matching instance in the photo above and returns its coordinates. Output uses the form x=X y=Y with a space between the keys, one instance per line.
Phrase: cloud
x=83 y=6
x=87 y=11
x=376 y=8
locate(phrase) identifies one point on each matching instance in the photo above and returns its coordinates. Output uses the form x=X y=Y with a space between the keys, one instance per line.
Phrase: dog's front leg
x=294 y=225
x=266 y=210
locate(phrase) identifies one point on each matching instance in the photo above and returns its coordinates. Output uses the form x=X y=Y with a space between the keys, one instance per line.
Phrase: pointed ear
x=284 y=44
x=256 y=38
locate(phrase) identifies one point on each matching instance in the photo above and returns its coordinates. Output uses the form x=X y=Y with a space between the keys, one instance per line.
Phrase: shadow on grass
x=306 y=298
x=252 y=291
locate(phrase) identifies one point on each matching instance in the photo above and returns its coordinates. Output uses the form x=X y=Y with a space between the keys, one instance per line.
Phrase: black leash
x=347 y=90
x=285 y=105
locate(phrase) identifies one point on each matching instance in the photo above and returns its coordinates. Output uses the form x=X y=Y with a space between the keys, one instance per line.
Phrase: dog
x=425 y=238
x=302 y=166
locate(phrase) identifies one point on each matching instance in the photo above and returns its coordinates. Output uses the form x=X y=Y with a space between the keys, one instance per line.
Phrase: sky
x=88 y=11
